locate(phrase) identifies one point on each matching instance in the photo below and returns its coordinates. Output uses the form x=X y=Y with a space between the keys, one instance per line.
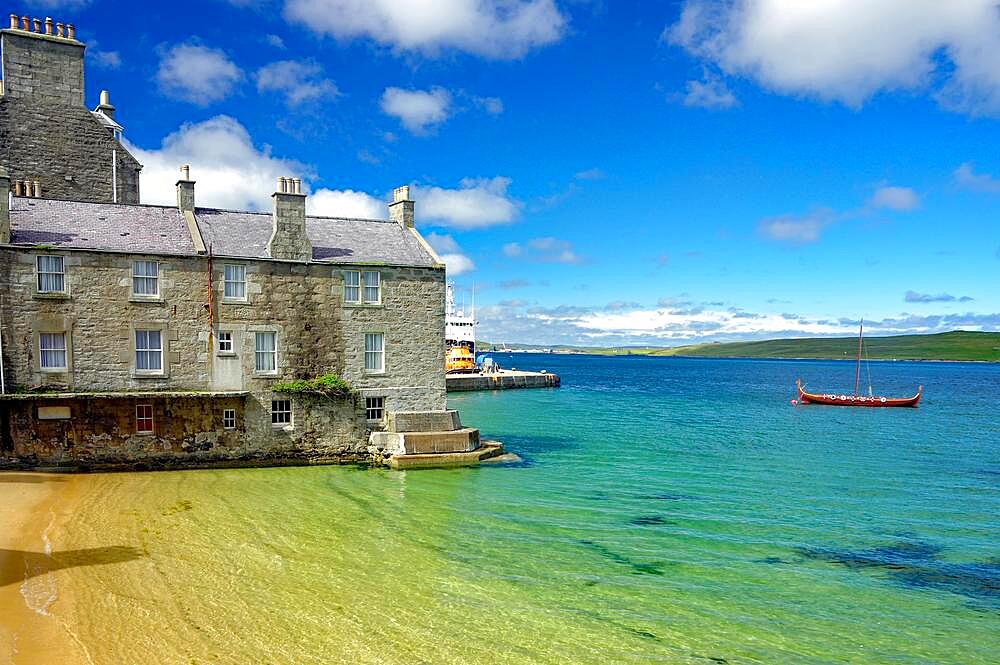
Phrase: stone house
x=144 y=335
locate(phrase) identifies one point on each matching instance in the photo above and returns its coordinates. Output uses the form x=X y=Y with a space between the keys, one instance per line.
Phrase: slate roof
x=148 y=229
x=78 y=225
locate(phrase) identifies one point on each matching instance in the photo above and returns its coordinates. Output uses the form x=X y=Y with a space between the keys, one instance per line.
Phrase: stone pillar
x=4 y=206
x=185 y=190
x=288 y=223
x=401 y=208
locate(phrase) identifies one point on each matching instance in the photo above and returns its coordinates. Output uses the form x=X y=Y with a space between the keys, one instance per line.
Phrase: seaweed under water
x=918 y=564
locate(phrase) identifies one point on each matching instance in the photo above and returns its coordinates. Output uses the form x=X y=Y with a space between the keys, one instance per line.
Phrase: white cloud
x=345 y=203
x=298 y=81
x=709 y=93
x=590 y=174
x=230 y=170
x=513 y=250
x=895 y=198
x=455 y=261
x=848 y=51
x=58 y=4
x=796 y=229
x=418 y=110
x=103 y=59
x=543 y=250
x=275 y=41
x=197 y=74
x=966 y=177
x=492 y=105
x=477 y=203
x=502 y=29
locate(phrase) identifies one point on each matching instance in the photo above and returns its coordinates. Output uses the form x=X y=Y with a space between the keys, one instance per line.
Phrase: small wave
x=39 y=587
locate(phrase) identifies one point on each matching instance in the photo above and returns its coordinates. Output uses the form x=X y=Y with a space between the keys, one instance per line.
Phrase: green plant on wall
x=329 y=385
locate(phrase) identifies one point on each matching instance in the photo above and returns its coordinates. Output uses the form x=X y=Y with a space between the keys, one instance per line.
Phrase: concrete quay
x=502 y=380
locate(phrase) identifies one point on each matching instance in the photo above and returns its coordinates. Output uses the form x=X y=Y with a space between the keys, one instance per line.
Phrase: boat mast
x=857 y=371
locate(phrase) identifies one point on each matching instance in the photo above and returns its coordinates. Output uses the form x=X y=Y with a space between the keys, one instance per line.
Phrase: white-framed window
x=374 y=408
x=372 y=280
x=52 y=350
x=352 y=286
x=148 y=351
x=229 y=419
x=51 y=274
x=281 y=412
x=374 y=352
x=225 y=341
x=146 y=278
x=266 y=352
x=144 y=418
x=234 y=282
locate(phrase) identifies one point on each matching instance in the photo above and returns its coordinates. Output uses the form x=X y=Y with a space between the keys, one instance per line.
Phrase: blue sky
x=604 y=173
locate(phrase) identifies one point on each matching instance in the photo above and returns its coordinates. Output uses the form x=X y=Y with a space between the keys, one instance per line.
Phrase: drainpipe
x=114 y=176
x=3 y=387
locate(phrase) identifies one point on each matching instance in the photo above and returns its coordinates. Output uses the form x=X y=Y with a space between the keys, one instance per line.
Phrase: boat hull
x=831 y=399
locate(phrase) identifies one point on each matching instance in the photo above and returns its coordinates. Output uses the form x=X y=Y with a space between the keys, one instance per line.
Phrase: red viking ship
x=856 y=399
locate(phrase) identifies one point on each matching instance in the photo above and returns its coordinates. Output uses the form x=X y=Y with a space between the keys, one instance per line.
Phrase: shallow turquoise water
x=667 y=510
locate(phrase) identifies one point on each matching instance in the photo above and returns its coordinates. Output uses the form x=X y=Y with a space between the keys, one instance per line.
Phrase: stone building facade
x=48 y=137
x=154 y=336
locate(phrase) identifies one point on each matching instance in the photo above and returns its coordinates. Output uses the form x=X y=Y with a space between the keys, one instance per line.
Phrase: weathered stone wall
x=46 y=132
x=43 y=68
x=303 y=303
x=187 y=431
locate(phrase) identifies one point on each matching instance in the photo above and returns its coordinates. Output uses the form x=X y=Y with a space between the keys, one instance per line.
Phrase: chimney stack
x=4 y=206
x=185 y=188
x=288 y=223
x=401 y=208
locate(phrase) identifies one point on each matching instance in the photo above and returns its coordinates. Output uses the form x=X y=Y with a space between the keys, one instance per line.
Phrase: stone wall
x=317 y=333
x=46 y=132
x=97 y=432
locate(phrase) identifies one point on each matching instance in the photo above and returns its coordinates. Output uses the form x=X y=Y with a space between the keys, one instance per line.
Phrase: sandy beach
x=34 y=592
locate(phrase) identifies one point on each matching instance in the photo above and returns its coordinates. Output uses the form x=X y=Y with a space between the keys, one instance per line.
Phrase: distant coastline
x=955 y=346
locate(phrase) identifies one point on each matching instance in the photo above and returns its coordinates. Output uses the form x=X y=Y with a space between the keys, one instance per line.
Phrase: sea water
x=666 y=510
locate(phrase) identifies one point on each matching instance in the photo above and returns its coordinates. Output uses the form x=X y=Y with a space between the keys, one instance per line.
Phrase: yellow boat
x=459 y=360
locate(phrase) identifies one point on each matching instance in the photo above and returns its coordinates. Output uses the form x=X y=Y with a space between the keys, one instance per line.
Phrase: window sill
x=235 y=301
x=226 y=354
x=54 y=370
x=264 y=375
x=145 y=434
x=374 y=373
x=158 y=300
x=364 y=305
x=51 y=296
x=149 y=375
x=286 y=429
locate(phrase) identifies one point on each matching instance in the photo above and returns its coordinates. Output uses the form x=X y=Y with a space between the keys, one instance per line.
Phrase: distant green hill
x=956 y=345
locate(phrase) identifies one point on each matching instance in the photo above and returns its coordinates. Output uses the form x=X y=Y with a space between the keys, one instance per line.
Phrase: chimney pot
x=13 y=21
x=298 y=185
x=59 y=29
x=24 y=23
x=105 y=98
x=37 y=187
x=70 y=31
x=48 y=25
x=37 y=24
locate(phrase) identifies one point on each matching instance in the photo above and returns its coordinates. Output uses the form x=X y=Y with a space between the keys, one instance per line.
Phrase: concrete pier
x=503 y=380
